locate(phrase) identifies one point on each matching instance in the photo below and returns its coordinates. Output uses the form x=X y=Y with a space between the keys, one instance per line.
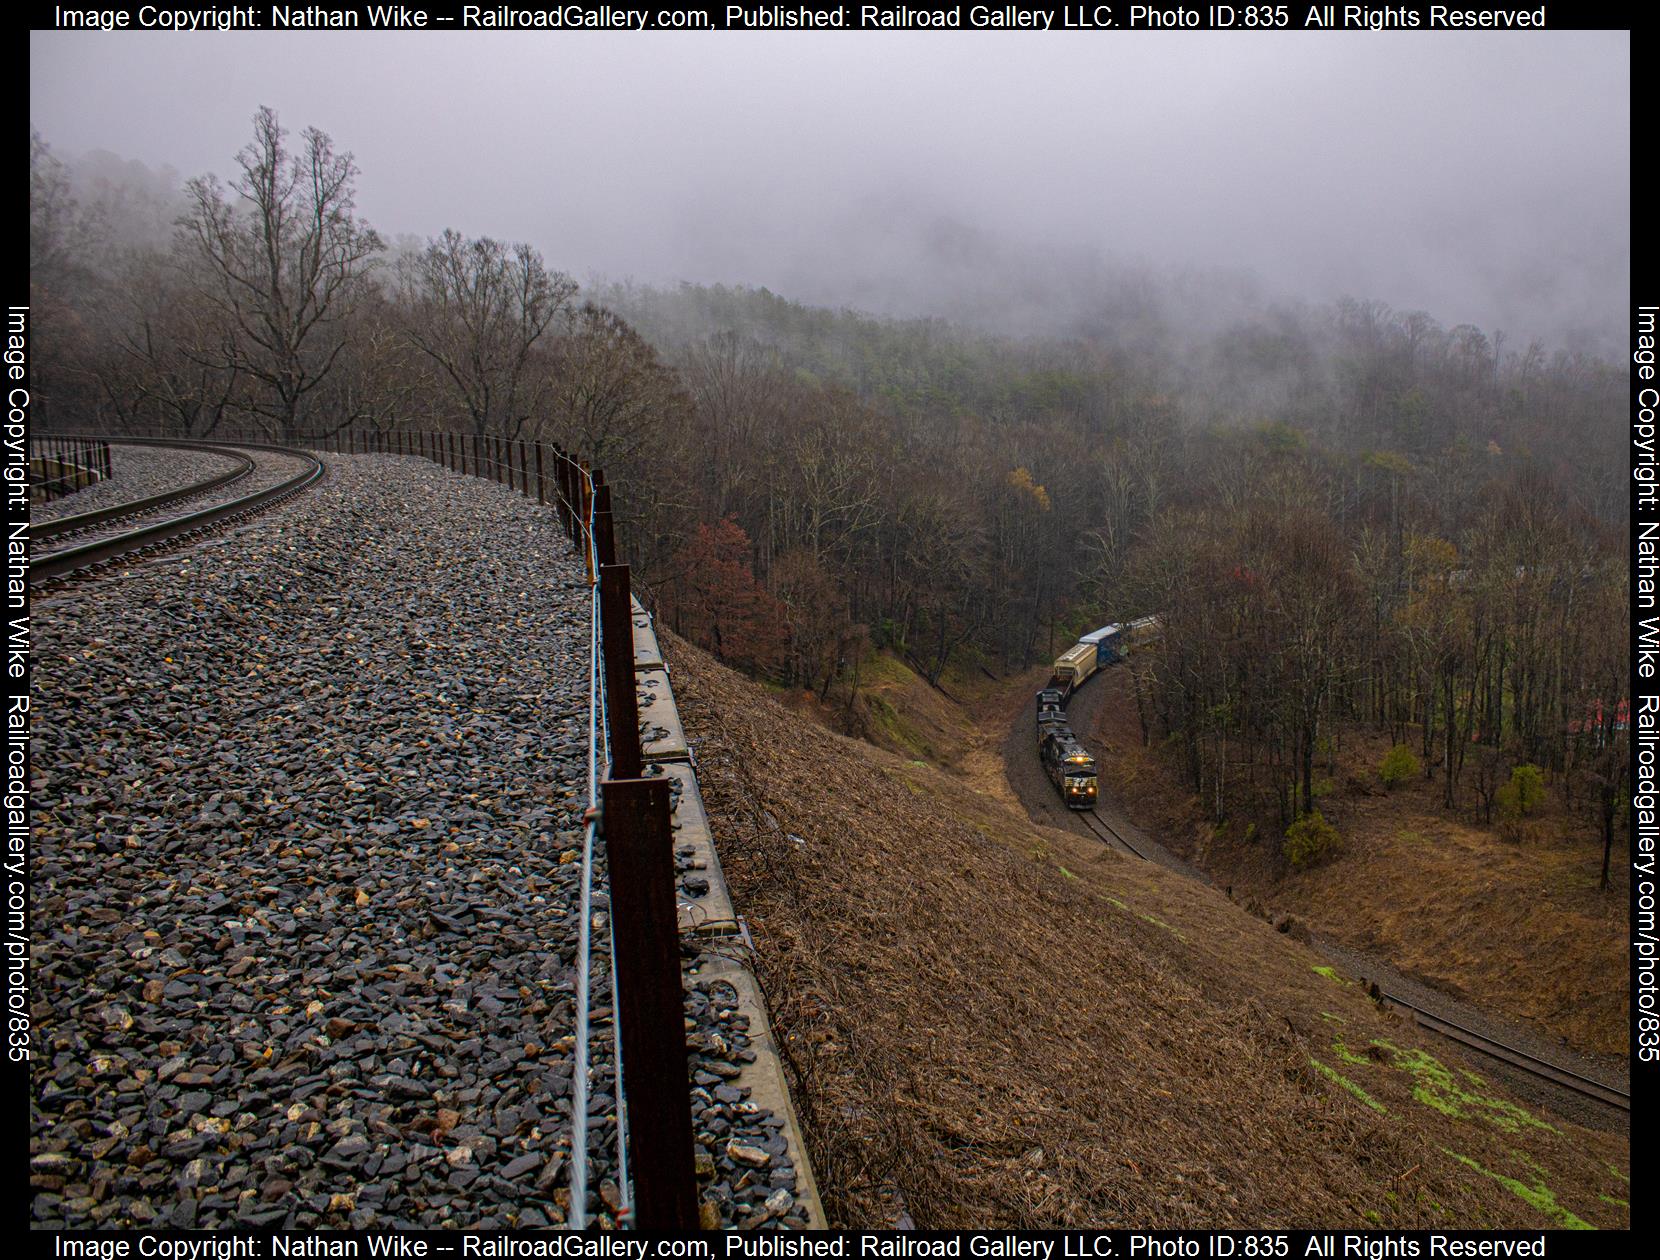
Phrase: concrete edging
x=709 y=916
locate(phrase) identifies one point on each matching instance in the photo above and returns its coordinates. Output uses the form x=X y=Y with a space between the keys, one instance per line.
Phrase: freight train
x=1065 y=760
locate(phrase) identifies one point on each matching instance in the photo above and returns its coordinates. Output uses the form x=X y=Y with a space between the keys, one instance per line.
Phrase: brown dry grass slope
x=995 y=1024
x=1520 y=929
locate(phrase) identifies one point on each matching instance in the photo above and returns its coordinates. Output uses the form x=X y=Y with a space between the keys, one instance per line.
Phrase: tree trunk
x=1308 y=770
x=1610 y=804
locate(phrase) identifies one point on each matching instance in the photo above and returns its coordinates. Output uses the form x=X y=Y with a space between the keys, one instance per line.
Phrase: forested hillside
x=1344 y=513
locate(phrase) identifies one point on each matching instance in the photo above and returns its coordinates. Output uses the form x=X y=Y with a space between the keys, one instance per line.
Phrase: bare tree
x=477 y=309
x=64 y=237
x=284 y=258
x=611 y=390
x=733 y=382
x=57 y=223
x=161 y=371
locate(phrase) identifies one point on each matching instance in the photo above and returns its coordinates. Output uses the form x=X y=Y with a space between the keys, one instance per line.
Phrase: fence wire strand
x=599 y=752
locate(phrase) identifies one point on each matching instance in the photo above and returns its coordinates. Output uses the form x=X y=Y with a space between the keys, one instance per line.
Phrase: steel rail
x=1098 y=825
x=138 y=507
x=72 y=560
x=1545 y=1070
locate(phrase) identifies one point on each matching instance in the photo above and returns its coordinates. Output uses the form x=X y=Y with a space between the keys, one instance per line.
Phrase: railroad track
x=1544 y=1069
x=1555 y=1073
x=1107 y=832
x=104 y=547
x=69 y=527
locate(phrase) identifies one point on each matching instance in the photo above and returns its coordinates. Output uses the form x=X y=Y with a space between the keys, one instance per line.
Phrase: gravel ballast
x=137 y=472
x=307 y=846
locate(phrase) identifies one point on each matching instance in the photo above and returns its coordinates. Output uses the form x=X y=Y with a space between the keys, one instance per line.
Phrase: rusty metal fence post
x=622 y=712
x=567 y=492
x=639 y=853
x=562 y=470
x=605 y=538
x=585 y=510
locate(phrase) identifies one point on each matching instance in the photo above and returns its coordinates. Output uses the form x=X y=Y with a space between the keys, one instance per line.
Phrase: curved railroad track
x=94 y=539
x=1555 y=1073
x=1108 y=833
x=64 y=528
x=1542 y=1069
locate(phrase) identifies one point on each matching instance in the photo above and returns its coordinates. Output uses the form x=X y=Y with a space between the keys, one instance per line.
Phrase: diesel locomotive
x=1065 y=760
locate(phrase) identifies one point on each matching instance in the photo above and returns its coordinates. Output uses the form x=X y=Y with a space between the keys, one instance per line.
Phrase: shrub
x=1309 y=839
x=1398 y=766
x=1523 y=794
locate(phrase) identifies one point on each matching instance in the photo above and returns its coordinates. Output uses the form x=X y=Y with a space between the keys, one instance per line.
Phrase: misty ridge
x=1233 y=345
x=924 y=314
x=1341 y=511
x=902 y=258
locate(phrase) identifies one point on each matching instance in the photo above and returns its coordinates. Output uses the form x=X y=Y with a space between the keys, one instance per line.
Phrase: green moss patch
x=1538 y=1196
x=1349 y=1056
x=1437 y=1087
x=1158 y=922
x=1332 y=1074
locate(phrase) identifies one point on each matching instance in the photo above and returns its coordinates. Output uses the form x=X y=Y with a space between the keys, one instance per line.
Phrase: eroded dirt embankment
x=996 y=1023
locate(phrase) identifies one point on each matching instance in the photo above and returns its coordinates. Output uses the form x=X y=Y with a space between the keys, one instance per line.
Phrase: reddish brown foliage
x=717 y=603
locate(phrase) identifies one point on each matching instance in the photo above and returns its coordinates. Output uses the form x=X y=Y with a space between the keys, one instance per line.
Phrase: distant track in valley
x=1035 y=792
x=1107 y=832
x=1553 y=1072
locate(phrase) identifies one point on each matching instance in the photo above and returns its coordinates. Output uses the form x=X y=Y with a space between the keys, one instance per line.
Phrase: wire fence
x=629 y=812
x=583 y=502
x=62 y=465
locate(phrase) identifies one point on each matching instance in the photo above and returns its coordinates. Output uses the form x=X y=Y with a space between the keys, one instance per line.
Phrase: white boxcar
x=1109 y=644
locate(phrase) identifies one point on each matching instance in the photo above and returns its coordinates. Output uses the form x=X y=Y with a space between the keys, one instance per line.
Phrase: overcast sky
x=1483 y=177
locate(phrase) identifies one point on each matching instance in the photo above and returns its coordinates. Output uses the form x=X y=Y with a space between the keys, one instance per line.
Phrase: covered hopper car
x=1075 y=665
